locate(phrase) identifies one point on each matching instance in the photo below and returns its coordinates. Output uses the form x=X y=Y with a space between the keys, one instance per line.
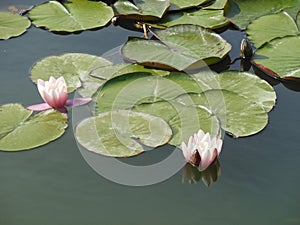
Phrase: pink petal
x=78 y=101
x=41 y=88
x=50 y=98
x=39 y=107
x=207 y=159
x=185 y=151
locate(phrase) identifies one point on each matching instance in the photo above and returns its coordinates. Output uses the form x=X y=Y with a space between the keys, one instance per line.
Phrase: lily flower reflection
x=54 y=93
x=192 y=174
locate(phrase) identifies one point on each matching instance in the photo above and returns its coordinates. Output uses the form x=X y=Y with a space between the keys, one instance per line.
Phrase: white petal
x=41 y=88
x=52 y=80
x=206 y=138
x=61 y=80
x=200 y=134
x=185 y=151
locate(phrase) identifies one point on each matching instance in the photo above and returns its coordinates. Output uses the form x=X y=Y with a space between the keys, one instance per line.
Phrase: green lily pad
x=217 y=4
x=281 y=56
x=11 y=115
x=12 y=25
x=119 y=133
x=212 y=19
x=242 y=12
x=71 y=16
x=180 y=47
x=21 y=131
x=153 y=95
x=107 y=72
x=127 y=91
x=183 y=4
x=245 y=84
x=298 y=20
x=184 y=120
x=74 y=67
x=239 y=116
x=267 y=28
x=142 y=10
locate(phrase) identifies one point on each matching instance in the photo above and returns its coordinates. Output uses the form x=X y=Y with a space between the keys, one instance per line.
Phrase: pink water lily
x=202 y=150
x=55 y=94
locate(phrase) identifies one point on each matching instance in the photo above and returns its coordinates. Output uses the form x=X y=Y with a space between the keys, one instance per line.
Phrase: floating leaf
x=183 y=120
x=212 y=19
x=180 y=47
x=124 y=92
x=119 y=133
x=12 y=25
x=107 y=72
x=183 y=4
x=71 y=16
x=11 y=115
x=267 y=28
x=239 y=116
x=153 y=95
x=143 y=10
x=282 y=56
x=298 y=20
x=74 y=67
x=242 y=12
x=245 y=84
x=20 y=131
x=217 y=4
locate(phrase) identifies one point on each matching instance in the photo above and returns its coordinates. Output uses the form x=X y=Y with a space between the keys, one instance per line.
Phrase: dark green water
x=54 y=185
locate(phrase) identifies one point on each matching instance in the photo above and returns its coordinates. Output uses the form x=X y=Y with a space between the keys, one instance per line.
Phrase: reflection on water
x=54 y=185
x=192 y=174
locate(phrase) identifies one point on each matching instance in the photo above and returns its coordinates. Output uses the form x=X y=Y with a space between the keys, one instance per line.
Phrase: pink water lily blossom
x=201 y=149
x=55 y=94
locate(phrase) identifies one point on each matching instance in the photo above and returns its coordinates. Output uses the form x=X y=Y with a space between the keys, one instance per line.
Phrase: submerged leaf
x=20 y=131
x=71 y=16
x=119 y=133
x=12 y=25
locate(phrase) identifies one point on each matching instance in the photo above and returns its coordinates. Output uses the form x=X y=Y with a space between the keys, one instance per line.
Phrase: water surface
x=54 y=185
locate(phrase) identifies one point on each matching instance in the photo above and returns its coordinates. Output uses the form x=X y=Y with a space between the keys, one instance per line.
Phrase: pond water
x=54 y=185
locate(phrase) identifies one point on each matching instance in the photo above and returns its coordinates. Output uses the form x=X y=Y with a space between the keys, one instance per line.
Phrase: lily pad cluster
x=137 y=106
x=278 y=49
x=273 y=28
x=151 y=99
x=185 y=102
x=79 y=15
